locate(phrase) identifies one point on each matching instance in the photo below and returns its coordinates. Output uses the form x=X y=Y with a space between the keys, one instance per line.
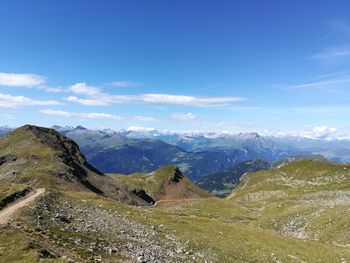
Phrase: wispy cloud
x=322 y=84
x=337 y=83
x=140 y=129
x=236 y=124
x=52 y=89
x=90 y=115
x=124 y=84
x=143 y=118
x=322 y=110
x=187 y=116
x=328 y=76
x=87 y=102
x=94 y=96
x=340 y=28
x=333 y=54
x=21 y=80
x=10 y=101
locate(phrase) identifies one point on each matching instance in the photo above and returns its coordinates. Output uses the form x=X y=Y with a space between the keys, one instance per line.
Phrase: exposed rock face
x=37 y=156
x=143 y=195
x=179 y=186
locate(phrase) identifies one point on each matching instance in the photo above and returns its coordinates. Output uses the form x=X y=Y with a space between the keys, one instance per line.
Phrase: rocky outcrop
x=178 y=186
x=118 y=236
x=166 y=183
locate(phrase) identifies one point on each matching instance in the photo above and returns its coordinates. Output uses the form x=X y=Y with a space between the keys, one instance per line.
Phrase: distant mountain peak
x=79 y=127
x=249 y=135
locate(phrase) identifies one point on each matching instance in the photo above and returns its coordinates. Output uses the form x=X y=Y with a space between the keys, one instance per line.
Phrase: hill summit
x=42 y=157
x=165 y=184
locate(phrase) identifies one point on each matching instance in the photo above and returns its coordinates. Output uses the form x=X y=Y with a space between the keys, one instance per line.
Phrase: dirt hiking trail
x=7 y=212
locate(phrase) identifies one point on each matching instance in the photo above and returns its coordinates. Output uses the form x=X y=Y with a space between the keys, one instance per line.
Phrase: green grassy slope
x=305 y=199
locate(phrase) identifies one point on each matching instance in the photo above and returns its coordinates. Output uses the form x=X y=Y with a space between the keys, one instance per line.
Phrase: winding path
x=7 y=213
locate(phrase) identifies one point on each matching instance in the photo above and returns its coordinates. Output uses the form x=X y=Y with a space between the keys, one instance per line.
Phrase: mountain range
x=201 y=156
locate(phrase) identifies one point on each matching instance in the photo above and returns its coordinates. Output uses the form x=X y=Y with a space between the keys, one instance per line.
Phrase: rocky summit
x=167 y=184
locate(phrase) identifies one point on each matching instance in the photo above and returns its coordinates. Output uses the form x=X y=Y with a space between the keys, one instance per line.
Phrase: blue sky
x=234 y=66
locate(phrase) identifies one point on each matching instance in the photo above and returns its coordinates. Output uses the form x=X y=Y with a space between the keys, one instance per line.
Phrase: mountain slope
x=166 y=183
x=41 y=157
x=305 y=199
x=222 y=183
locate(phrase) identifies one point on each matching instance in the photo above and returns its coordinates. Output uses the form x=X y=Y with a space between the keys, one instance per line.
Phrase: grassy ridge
x=305 y=199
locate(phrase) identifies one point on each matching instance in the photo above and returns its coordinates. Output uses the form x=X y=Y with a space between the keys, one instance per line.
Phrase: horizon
x=318 y=133
x=227 y=67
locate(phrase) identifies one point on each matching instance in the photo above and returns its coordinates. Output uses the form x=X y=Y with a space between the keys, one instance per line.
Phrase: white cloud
x=187 y=116
x=124 y=84
x=187 y=100
x=21 y=80
x=56 y=112
x=52 y=89
x=11 y=101
x=236 y=124
x=94 y=96
x=140 y=129
x=87 y=102
x=83 y=88
x=322 y=133
x=94 y=115
x=91 y=115
x=143 y=118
